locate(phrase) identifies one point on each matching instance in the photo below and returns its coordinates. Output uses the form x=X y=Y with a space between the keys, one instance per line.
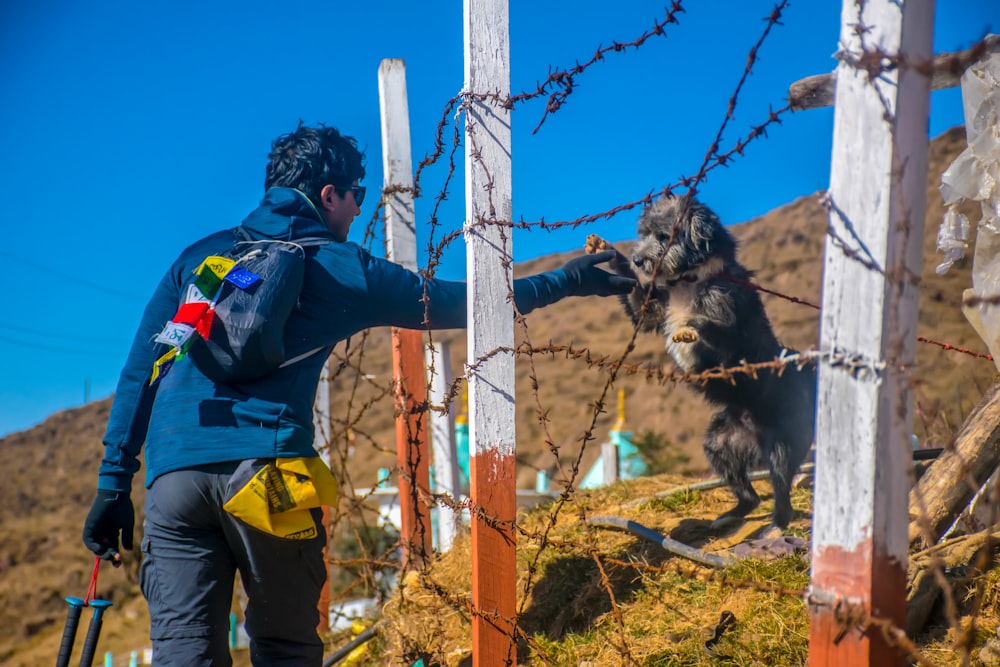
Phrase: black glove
x=585 y=279
x=111 y=513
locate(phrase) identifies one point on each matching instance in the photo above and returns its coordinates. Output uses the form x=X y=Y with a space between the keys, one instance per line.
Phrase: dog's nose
x=636 y=259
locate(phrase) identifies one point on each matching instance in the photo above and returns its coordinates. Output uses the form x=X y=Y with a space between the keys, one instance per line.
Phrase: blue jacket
x=186 y=420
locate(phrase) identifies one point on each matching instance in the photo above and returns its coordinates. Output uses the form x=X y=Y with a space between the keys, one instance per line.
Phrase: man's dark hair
x=312 y=157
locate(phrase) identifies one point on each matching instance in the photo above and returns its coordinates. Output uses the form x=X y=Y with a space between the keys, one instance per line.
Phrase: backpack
x=232 y=315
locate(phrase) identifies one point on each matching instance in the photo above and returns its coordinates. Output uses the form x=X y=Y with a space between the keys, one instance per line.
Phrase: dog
x=694 y=291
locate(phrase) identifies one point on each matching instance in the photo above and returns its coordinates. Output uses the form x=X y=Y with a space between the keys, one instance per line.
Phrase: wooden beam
x=407 y=345
x=491 y=328
x=816 y=92
x=446 y=476
x=878 y=181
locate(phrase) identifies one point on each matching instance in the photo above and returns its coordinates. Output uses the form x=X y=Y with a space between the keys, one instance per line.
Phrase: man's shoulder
x=351 y=266
x=223 y=237
x=213 y=243
x=340 y=250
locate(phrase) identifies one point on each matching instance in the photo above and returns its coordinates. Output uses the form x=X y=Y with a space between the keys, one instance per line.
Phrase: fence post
x=491 y=329
x=443 y=442
x=407 y=344
x=321 y=441
x=878 y=179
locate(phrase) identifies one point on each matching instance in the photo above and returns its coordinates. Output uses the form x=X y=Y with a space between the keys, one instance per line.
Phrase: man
x=198 y=433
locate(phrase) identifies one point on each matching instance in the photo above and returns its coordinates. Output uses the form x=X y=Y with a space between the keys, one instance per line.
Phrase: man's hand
x=585 y=279
x=112 y=513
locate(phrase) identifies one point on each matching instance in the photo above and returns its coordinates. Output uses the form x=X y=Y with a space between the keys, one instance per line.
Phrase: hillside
x=51 y=468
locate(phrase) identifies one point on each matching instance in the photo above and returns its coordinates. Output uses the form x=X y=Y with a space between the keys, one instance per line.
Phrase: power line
x=73 y=279
x=53 y=348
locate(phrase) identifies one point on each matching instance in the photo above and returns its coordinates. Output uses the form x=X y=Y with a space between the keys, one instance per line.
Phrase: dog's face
x=691 y=247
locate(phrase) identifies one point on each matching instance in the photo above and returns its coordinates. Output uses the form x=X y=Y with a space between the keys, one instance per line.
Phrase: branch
x=817 y=91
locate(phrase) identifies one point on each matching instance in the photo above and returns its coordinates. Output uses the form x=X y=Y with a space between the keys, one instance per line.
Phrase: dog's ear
x=707 y=234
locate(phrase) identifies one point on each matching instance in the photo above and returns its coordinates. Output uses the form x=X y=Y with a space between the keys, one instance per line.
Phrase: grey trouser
x=191 y=551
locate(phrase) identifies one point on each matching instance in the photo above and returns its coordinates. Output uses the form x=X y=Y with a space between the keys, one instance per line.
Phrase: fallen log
x=943 y=564
x=951 y=482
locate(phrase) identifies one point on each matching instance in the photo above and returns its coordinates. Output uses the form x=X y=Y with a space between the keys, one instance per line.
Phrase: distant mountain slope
x=50 y=470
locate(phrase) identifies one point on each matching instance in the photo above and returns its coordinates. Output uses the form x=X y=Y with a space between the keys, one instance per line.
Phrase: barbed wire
x=541 y=536
x=565 y=79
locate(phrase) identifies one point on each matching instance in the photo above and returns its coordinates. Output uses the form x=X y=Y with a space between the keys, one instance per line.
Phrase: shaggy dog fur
x=696 y=296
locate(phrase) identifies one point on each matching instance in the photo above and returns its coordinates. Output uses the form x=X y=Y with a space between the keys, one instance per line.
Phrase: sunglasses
x=358 y=190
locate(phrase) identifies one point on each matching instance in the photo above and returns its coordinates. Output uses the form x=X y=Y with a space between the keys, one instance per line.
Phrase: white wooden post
x=321 y=416
x=491 y=374
x=446 y=478
x=864 y=416
x=321 y=442
x=397 y=163
x=407 y=344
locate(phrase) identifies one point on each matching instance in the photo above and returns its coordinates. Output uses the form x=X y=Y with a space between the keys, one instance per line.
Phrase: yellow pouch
x=276 y=495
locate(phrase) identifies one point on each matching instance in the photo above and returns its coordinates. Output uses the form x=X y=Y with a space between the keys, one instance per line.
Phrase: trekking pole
x=76 y=606
x=96 y=621
x=93 y=632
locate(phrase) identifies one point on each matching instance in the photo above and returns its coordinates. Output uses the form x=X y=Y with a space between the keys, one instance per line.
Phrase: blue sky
x=132 y=128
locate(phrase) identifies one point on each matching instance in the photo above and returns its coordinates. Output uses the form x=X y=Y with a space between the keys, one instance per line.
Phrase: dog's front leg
x=643 y=308
x=715 y=324
x=620 y=264
x=686 y=334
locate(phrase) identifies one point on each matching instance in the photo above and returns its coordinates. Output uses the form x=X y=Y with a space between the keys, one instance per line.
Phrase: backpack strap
x=243 y=236
x=301 y=357
x=311 y=241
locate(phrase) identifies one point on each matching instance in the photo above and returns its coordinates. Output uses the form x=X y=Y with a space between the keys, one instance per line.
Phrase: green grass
x=670 y=615
x=675 y=502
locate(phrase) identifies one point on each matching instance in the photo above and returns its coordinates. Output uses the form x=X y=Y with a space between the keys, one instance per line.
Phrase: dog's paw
x=772 y=532
x=770 y=545
x=685 y=335
x=595 y=244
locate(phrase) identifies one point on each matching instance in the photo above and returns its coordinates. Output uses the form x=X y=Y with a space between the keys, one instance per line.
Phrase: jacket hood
x=286 y=214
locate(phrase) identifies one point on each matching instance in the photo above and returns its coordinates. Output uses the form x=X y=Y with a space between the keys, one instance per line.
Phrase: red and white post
x=407 y=345
x=868 y=332
x=491 y=328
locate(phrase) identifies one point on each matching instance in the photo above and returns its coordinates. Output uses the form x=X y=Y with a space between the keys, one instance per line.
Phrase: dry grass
x=665 y=609
x=663 y=612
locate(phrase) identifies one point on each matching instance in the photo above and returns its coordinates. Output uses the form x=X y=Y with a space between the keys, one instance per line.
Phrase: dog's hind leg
x=782 y=470
x=785 y=454
x=789 y=445
x=732 y=446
